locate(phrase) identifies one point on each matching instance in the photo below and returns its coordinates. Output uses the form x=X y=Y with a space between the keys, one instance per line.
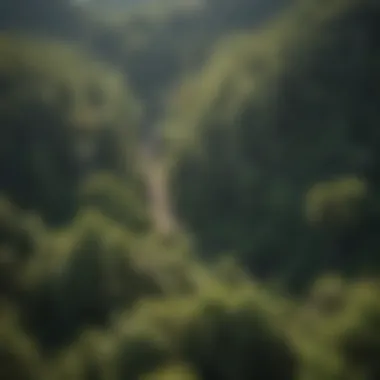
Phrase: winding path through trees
x=158 y=193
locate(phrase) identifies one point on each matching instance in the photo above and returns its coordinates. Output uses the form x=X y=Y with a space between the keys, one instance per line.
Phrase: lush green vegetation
x=277 y=124
x=268 y=120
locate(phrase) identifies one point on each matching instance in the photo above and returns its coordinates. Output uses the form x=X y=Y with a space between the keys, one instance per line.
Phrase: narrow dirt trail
x=158 y=193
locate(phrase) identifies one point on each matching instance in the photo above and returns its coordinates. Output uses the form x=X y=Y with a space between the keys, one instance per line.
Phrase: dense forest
x=189 y=190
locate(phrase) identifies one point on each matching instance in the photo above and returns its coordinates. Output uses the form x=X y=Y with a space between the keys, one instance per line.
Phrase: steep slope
x=271 y=115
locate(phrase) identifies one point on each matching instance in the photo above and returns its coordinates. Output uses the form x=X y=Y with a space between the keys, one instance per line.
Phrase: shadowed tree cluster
x=63 y=116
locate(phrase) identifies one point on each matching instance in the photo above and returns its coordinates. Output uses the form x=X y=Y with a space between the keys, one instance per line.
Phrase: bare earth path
x=158 y=194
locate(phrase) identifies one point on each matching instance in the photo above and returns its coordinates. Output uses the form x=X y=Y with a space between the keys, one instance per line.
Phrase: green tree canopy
x=272 y=114
x=63 y=115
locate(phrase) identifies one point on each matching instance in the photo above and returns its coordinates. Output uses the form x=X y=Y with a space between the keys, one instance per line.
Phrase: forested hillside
x=275 y=144
x=189 y=190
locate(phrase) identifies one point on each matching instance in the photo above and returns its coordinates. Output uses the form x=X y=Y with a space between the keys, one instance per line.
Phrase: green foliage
x=362 y=345
x=328 y=295
x=19 y=235
x=94 y=275
x=173 y=372
x=139 y=355
x=18 y=355
x=272 y=115
x=158 y=43
x=214 y=338
x=271 y=126
x=336 y=203
x=360 y=341
x=117 y=200
x=62 y=110
x=222 y=329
